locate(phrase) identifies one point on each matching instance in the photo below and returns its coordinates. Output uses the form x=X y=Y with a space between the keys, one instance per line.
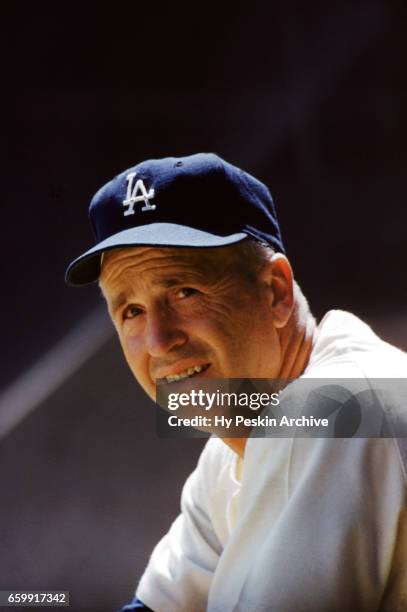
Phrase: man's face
x=182 y=312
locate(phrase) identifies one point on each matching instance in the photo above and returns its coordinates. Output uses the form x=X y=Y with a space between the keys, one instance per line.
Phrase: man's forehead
x=158 y=263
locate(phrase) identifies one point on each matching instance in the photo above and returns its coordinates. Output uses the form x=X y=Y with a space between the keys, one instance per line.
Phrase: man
x=190 y=259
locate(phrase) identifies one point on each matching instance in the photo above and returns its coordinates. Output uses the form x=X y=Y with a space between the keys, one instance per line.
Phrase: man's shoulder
x=346 y=347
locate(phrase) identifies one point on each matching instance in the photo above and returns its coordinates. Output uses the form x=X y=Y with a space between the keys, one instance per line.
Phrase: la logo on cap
x=137 y=193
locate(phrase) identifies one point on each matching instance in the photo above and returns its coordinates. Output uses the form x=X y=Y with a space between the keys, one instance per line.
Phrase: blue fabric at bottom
x=136 y=604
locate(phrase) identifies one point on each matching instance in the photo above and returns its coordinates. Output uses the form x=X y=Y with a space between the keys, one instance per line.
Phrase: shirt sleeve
x=179 y=573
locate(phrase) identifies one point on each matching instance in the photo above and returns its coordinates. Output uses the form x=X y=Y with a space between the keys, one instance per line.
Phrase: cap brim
x=86 y=268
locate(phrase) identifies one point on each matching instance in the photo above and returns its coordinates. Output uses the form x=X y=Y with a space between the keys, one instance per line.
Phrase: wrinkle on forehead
x=136 y=263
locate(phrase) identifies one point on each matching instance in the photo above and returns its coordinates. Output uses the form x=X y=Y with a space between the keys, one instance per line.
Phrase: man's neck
x=296 y=347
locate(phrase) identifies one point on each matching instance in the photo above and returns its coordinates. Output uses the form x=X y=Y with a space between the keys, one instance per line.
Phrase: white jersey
x=310 y=525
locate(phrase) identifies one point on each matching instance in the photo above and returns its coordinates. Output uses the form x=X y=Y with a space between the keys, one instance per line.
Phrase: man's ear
x=277 y=274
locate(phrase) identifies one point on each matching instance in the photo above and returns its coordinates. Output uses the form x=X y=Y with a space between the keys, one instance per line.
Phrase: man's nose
x=164 y=333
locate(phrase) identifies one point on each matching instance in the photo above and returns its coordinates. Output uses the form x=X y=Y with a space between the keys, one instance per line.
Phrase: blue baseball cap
x=194 y=201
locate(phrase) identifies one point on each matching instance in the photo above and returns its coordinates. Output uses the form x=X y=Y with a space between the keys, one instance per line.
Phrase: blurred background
x=309 y=97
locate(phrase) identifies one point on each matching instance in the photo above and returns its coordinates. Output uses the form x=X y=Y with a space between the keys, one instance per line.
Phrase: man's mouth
x=187 y=373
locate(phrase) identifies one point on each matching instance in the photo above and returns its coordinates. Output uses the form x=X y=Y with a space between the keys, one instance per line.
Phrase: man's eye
x=185 y=292
x=131 y=311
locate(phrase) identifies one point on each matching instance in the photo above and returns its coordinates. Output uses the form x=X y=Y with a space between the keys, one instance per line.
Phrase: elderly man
x=190 y=259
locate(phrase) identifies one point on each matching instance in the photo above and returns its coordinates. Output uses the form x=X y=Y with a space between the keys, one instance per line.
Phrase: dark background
x=309 y=97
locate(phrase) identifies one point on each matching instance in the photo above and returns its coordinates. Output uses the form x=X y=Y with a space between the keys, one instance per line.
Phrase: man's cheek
x=139 y=369
x=133 y=352
x=132 y=346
